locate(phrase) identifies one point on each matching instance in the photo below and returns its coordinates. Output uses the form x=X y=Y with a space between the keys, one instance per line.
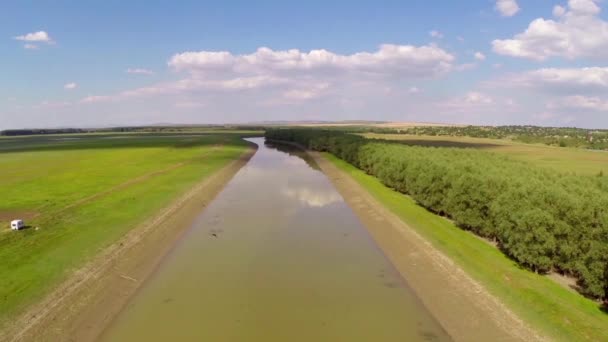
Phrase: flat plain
x=80 y=193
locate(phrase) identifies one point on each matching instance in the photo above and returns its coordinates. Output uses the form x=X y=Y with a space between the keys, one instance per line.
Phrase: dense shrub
x=543 y=219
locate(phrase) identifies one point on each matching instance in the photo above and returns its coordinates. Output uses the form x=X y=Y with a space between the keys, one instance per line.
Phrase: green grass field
x=554 y=310
x=80 y=193
x=579 y=161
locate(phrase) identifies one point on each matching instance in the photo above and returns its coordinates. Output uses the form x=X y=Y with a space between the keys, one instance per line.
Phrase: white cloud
x=30 y=46
x=577 y=31
x=592 y=103
x=293 y=76
x=477 y=98
x=436 y=34
x=562 y=80
x=414 y=90
x=38 y=37
x=70 y=86
x=139 y=71
x=389 y=60
x=559 y=11
x=479 y=56
x=306 y=93
x=507 y=8
x=95 y=99
x=469 y=101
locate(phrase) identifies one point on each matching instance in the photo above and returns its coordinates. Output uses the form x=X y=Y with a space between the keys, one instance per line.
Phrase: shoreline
x=80 y=308
x=466 y=310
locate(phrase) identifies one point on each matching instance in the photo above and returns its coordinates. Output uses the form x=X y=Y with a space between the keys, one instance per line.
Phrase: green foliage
x=553 y=309
x=541 y=218
x=553 y=136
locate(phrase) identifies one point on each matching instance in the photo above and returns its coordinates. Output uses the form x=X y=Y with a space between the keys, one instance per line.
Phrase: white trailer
x=17 y=224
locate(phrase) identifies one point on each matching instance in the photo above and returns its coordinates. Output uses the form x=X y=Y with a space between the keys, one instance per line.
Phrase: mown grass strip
x=547 y=306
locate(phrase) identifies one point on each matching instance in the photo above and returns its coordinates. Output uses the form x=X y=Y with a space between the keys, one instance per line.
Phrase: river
x=277 y=256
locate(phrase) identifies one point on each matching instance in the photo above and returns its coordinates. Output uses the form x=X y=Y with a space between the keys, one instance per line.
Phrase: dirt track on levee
x=463 y=307
x=80 y=308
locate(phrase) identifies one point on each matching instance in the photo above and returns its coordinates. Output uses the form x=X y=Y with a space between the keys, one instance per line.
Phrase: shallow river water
x=277 y=256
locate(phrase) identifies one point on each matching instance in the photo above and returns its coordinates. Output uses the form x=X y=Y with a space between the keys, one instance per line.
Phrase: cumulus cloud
x=37 y=37
x=306 y=93
x=470 y=100
x=562 y=80
x=70 y=86
x=507 y=8
x=558 y=11
x=400 y=60
x=479 y=56
x=477 y=98
x=592 y=103
x=139 y=71
x=293 y=76
x=577 y=31
x=34 y=37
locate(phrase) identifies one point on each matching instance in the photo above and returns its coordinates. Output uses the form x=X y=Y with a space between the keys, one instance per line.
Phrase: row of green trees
x=543 y=219
x=553 y=136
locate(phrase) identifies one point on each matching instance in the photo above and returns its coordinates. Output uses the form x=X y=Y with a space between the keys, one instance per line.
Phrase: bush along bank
x=543 y=219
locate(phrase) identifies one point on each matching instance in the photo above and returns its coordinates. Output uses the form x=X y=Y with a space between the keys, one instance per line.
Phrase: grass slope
x=552 y=309
x=580 y=161
x=86 y=193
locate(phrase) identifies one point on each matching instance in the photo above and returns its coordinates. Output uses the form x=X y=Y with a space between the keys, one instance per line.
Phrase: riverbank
x=466 y=309
x=81 y=307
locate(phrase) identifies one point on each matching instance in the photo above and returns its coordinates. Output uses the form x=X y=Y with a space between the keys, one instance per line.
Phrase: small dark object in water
x=213 y=234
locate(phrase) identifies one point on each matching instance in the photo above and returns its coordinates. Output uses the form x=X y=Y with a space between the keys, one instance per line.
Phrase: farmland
x=563 y=159
x=79 y=193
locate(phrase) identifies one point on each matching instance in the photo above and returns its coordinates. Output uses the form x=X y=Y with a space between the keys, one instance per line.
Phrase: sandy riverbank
x=463 y=307
x=81 y=307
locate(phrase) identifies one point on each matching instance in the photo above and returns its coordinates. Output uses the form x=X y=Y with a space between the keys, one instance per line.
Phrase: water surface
x=277 y=256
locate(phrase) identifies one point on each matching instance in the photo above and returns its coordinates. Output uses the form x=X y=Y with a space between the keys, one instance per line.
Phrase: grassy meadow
x=80 y=193
x=558 y=312
x=577 y=160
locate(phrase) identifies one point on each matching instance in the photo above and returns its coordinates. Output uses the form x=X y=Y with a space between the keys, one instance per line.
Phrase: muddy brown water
x=277 y=256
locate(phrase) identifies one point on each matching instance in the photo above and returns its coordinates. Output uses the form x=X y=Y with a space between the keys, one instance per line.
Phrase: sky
x=489 y=62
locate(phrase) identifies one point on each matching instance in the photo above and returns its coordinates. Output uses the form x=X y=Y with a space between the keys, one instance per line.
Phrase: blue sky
x=70 y=63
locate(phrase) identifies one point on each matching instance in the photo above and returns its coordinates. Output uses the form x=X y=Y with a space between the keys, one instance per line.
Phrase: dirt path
x=81 y=307
x=462 y=306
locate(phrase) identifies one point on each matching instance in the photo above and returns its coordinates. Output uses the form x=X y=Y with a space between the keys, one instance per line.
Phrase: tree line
x=543 y=219
x=554 y=136
x=131 y=129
